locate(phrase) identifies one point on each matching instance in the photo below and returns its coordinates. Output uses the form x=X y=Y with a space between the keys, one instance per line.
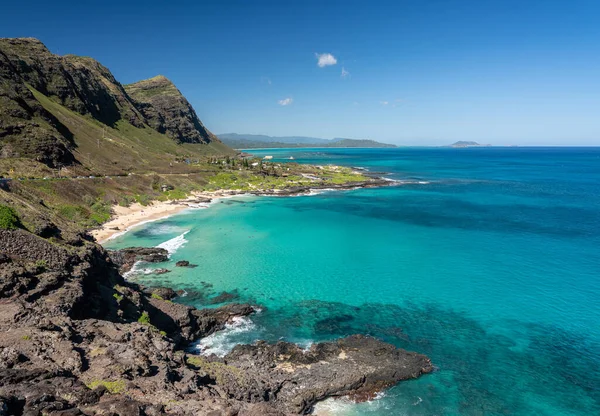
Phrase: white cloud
x=265 y=80
x=384 y=102
x=325 y=59
x=345 y=74
x=286 y=101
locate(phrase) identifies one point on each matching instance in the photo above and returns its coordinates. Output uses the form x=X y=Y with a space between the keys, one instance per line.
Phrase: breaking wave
x=222 y=342
x=174 y=244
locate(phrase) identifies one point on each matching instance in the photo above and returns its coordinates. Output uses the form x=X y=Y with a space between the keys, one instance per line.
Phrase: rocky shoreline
x=78 y=339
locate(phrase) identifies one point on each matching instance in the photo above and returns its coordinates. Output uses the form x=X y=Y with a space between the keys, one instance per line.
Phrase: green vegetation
x=87 y=215
x=143 y=199
x=41 y=265
x=144 y=319
x=118 y=297
x=125 y=201
x=113 y=387
x=9 y=220
x=26 y=337
x=218 y=371
x=173 y=195
x=155 y=296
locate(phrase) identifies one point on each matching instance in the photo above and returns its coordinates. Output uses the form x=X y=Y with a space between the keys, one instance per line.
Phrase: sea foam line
x=344 y=406
x=174 y=244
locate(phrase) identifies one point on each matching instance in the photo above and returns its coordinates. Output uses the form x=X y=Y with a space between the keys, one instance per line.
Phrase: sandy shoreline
x=126 y=218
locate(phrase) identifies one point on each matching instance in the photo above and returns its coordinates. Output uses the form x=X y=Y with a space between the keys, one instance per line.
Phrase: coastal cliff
x=167 y=111
x=51 y=106
x=80 y=339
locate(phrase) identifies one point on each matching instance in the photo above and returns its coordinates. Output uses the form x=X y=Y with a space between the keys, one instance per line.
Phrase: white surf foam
x=344 y=406
x=222 y=342
x=174 y=244
x=137 y=269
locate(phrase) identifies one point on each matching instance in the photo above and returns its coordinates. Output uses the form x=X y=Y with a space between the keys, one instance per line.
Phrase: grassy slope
x=111 y=151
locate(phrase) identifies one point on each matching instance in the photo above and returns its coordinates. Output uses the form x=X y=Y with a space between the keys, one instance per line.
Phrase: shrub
x=8 y=218
x=113 y=387
x=101 y=212
x=143 y=199
x=144 y=319
x=41 y=264
x=75 y=213
x=126 y=200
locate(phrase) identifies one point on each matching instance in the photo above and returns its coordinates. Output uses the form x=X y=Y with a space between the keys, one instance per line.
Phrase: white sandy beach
x=125 y=218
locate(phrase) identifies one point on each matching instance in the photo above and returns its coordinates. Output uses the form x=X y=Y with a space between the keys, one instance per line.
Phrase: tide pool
x=485 y=259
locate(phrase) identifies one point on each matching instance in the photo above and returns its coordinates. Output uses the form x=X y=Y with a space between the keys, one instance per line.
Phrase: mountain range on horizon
x=253 y=141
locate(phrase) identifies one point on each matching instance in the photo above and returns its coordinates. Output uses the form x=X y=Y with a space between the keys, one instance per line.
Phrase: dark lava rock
x=224 y=297
x=164 y=292
x=127 y=257
x=161 y=271
x=182 y=263
x=358 y=366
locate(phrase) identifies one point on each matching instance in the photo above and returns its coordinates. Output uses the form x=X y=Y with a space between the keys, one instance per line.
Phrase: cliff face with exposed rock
x=85 y=87
x=167 y=110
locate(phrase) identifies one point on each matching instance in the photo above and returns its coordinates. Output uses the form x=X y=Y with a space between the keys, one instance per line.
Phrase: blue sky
x=412 y=72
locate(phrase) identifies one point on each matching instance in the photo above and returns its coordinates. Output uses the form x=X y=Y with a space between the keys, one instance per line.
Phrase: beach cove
x=442 y=265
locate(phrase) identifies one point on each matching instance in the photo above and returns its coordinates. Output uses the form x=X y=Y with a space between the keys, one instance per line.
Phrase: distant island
x=464 y=143
x=256 y=141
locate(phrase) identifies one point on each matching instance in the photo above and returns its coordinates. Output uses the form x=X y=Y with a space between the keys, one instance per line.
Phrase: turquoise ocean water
x=485 y=259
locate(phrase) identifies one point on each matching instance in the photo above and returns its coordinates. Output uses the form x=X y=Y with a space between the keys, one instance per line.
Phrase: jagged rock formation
x=167 y=110
x=78 y=339
x=84 y=86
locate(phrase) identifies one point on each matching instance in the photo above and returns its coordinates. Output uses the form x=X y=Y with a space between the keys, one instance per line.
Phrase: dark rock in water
x=186 y=324
x=357 y=366
x=161 y=271
x=163 y=292
x=224 y=297
x=334 y=325
x=127 y=257
x=185 y=263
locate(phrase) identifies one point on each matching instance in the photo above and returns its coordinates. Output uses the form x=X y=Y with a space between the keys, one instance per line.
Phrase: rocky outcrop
x=167 y=110
x=295 y=379
x=127 y=257
x=78 y=339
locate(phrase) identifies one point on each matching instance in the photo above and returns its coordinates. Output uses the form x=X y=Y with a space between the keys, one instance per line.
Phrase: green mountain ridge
x=71 y=111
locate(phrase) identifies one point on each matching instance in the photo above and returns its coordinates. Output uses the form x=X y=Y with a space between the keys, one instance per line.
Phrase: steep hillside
x=70 y=110
x=167 y=110
x=27 y=129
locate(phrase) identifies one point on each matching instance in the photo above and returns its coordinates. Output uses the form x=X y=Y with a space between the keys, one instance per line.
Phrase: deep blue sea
x=485 y=259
